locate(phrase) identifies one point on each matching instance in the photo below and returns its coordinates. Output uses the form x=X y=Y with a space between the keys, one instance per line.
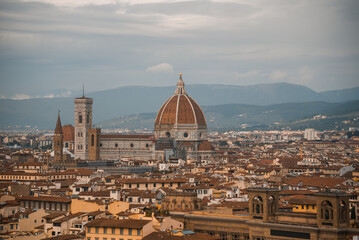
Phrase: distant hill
x=341 y=95
x=319 y=115
x=130 y=100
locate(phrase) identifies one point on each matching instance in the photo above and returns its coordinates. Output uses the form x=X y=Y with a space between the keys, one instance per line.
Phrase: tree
x=223 y=143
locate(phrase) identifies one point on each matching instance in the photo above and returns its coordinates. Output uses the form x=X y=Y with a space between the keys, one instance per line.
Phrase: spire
x=180 y=86
x=58 y=129
x=83 y=90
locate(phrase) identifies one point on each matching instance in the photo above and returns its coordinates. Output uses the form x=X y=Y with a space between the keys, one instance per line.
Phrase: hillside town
x=178 y=182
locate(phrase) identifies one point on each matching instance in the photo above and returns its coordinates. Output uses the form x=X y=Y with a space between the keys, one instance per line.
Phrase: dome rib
x=194 y=113
x=178 y=100
x=164 y=107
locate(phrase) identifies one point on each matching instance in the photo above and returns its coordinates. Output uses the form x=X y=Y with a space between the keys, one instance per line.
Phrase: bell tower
x=58 y=141
x=263 y=203
x=83 y=122
x=332 y=209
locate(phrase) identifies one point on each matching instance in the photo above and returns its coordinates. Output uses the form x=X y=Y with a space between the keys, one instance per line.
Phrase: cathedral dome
x=180 y=109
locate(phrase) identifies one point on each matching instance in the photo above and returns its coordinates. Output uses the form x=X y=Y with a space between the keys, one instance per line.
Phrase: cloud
x=81 y=3
x=251 y=73
x=25 y=96
x=76 y=3
x=278 y=75
x=56 y=43
x=163 y=67
x=20 y=97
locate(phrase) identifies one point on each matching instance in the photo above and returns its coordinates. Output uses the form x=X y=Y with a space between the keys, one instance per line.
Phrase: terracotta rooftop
x=63 y=237
x=45 y=199
x=205 y=146
x=54 y=215
x=68 y=133
x=169 y=236
x=303 y=200
x=64 y=219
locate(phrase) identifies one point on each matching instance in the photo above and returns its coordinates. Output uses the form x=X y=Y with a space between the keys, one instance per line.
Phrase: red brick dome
x=180 y=109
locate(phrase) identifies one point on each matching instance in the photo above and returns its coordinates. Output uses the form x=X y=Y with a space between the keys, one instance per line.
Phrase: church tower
x=58 y=141
x=83 y=122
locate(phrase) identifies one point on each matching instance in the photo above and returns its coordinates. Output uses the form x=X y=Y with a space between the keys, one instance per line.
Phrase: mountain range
x=131 y=101
x=318 y=115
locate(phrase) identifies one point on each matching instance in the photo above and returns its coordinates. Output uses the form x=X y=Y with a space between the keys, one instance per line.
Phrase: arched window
x=326 y=210
x=257 y=205
x=258 y=208
x=92 y=140
x=342 y=211
x=80 y=118
x=87 y=118
x=272 y=205
x=326 y=214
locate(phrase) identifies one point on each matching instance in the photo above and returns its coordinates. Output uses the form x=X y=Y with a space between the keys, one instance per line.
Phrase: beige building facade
x=266 y=222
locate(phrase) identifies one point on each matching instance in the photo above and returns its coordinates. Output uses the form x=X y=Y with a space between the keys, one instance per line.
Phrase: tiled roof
x=45 y=199
x=169 y=236
x=315 y=181
x=303 y=200
x=68 y=133
x=64 y=219
x=64 y=237
x=54 y=215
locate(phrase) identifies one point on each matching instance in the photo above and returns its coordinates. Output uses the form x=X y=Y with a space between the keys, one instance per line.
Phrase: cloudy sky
x=51 y=47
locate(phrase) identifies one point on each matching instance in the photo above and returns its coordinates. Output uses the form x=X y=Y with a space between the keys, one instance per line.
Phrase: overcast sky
x=46 y=45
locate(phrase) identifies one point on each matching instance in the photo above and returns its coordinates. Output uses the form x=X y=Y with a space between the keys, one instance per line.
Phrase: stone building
x=181 y=201
x=49 y=203
x=69 y=137
x=266 y=222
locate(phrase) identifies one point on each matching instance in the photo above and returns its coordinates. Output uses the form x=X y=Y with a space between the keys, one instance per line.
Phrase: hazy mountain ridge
x=124 y=101
x=321 y=115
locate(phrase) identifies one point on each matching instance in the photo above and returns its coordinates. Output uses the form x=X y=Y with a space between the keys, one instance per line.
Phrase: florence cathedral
x=180 y=131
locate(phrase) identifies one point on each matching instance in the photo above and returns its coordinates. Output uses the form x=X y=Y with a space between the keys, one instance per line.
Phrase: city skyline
x=52 y=45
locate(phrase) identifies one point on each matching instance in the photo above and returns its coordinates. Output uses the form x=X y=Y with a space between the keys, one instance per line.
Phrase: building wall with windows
x=115 y=229
x=28 y=222
x=266 y=222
